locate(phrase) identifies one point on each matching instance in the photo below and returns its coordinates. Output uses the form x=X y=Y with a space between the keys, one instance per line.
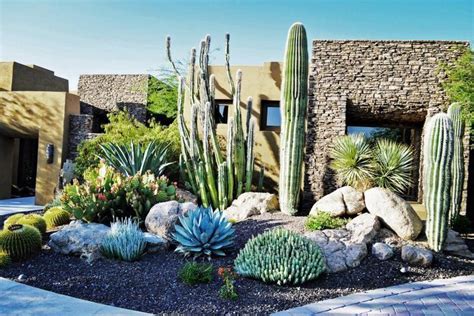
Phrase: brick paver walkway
x=438 y=297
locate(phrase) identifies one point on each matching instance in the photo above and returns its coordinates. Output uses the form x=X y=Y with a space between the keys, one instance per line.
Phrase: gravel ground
x=151 y=284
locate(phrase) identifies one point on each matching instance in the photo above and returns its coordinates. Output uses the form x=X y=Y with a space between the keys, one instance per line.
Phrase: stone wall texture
x=114 y=92
x=370 y=82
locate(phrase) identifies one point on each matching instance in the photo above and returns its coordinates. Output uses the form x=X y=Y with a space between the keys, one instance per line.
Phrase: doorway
x=24 y=169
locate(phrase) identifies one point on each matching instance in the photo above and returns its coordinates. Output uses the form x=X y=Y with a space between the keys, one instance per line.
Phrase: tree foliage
x=163 y=96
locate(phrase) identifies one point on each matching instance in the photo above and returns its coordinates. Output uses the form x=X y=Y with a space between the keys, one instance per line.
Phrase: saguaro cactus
x=457 y=167
x=294 y=95
x=217 y=180
x=438 y=155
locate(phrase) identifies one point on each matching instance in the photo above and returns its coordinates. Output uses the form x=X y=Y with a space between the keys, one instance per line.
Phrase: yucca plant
x=133 y=159
x=125 y=241
x=203 y=232
x=352 y=160
x=393 y=163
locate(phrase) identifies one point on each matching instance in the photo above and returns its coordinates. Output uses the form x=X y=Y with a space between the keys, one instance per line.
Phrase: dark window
x=222 y=111
x=270 y=116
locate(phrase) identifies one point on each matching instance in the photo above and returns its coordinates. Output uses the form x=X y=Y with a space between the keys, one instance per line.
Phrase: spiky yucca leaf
x=203 y=232
x=352 y=160
x=133 y=159
x=393 y=165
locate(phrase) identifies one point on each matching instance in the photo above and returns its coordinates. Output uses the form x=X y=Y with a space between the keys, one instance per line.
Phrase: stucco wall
x=19 y=77
x=364 y=82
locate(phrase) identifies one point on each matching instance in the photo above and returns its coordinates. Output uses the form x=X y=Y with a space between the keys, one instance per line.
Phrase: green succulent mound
x=5 y=259
x=55 y=217
x=280 y=256
x=20 y=241
x=12 y=220
x=34 y=220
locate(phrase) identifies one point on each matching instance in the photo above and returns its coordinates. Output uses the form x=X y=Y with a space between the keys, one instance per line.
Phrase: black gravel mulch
x=151 y=284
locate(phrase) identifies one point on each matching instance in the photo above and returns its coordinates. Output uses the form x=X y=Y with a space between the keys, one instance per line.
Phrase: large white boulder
x=163 y=216
x=343 y=201
x=250 y=204
x=79 y=238
x=394 y=212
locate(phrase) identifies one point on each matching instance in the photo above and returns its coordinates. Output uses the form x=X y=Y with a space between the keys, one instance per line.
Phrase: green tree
x=163 y=96
x=459 y=85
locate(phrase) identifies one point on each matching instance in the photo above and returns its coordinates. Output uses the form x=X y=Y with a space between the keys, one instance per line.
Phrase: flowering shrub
x=227 y=291
x=106 y=194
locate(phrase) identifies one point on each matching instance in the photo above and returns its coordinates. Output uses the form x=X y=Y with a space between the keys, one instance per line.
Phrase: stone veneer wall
x=113 y=92
x=370 y=82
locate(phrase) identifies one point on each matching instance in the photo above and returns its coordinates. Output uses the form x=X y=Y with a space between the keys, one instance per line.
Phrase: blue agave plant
x=203 y=231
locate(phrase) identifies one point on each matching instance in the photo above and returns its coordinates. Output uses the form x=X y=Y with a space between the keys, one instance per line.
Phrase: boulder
x=363 y=228
x=382 y=251
x=455 y=245
x=163 y=216
x=336 y=262
x=417 y=256
x=186 y=196
x=333 y=203
x=155 y=243
x=394 y=212
x=251 y=203
x=343 y=201
x=355 y=253
x=79 y=238
x=353 y=199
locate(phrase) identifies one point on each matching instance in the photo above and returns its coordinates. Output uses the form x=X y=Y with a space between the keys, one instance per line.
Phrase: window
x=222 y=111
x=270 y=116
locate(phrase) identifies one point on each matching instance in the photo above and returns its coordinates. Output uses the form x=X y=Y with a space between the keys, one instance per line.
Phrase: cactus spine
x=457 y=167
x=438 y=154
x=217 y=180
x=294 y=95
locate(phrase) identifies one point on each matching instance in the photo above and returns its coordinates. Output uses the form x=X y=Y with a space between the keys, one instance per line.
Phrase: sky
x=73 y=37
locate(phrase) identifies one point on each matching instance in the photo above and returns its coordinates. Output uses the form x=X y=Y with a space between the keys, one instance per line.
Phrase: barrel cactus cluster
x=20 y=242
x=280 y=256
x=203 y=231
x=216 y=178
x=438 y=157
x=294 y=98
x=34 y=220
x=56 y=216
x=5 y=259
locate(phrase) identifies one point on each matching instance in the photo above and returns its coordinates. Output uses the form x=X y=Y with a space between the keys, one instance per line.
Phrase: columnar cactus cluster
x=280 y=256
x=457 y=166
x=438 y=155
x=294 y=95
x=217 y=180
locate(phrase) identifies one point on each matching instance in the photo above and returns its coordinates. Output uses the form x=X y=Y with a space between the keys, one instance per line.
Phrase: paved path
x=19 y=205
x=438 y=297
x=19 y=299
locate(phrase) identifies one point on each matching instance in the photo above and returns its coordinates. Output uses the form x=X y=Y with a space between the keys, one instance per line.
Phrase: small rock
x=417 y=256
x=250 y=204
x=388 y=237
x=186 y=196
x=403 y=270
x=394 y=211
x=382 y=251
x=155 y=243
x=363 y=228
x=21 y=278
x=355 y=253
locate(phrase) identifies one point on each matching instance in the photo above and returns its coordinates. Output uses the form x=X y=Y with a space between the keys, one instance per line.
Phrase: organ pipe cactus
x=457 y=167
x=294 y=95
x=217 y=180
x=438 y=155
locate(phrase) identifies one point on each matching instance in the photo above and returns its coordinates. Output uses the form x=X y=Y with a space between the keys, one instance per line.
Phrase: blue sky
x=75 y=37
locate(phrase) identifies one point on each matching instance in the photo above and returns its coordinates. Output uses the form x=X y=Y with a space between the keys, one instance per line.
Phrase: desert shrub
x=106 y=194
x=280 y=256
x=227 y=290
x=203 y=232
x=324 y=220
x=125 y=241
x=124 y=129
x=20 y=242
x=387 y=164
x=352 y=160
x=193 y=273
x=393 y=165
x=133 y=159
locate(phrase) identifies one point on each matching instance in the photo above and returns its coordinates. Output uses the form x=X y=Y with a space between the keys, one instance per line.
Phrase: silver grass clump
x=125 y=241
